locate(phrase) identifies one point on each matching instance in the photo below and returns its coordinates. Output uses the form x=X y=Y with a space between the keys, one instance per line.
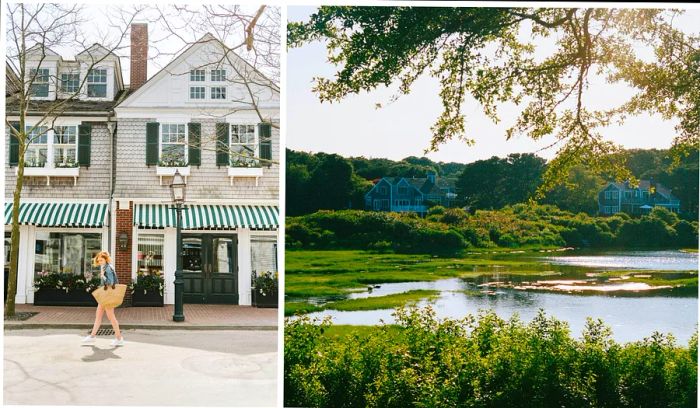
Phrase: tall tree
x=480 y=52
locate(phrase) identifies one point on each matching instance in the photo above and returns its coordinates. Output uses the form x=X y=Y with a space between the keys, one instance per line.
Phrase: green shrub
x=483 y=361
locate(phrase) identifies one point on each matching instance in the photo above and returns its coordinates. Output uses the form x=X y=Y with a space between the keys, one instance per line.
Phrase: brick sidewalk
x=203 y=317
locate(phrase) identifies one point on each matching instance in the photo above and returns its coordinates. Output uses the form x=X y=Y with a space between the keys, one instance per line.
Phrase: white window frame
x=220 y=78
x=222 y=94
x=62 y=82
x=36 y=147
x=36 y=82
x=194 y=75
x=203 y=93
x=91 y=82
x=160 y=140
x=255 y=143
x=56 y=146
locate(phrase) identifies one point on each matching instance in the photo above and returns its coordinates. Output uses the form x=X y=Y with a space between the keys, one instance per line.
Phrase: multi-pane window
x=97 y=83
x=150 y=254
x=70 y=82
x=243 y=145
x=40 y=82
x=37 y=149
x=66 y=252
x=263 y=254
x=173 y=141
x=403 y=190
x=218 y=75
x=197 y=75
x=218 y=92
x=65 y=146
x=197 y=92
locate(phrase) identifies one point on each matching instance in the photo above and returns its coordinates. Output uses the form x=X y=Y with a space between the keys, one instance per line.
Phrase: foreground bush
x=483 y=361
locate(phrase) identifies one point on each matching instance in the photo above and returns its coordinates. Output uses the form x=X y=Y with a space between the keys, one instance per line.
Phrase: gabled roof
x=646 y=185
x=205 y=40
x=38 y=47
x=12 y=82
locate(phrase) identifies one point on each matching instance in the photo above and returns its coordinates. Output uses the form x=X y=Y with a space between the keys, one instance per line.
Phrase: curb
x=20 y=326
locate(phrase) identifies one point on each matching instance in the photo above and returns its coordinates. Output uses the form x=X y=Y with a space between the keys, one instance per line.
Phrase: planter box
x=59 y=297
x=49 y=172
x=269 y=300
x=150 y=298
x=170 y=171
x=244 y=172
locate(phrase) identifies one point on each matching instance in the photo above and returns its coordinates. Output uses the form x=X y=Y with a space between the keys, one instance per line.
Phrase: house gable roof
x=206 y=40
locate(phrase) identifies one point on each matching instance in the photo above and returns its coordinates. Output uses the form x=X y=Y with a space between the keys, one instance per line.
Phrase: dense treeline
x=329 y=181
x=449 y=230
x=484 y=361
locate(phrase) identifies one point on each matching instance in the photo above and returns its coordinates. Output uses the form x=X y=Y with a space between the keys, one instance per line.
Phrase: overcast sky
x=354 y=127
x=103 y=24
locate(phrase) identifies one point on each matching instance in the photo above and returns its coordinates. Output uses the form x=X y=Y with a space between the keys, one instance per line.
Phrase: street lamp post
x=177 y=190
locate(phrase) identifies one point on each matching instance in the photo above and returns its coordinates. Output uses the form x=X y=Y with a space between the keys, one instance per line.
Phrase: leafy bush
x=146 y=282
x=449 y=230
x=67 y=281
x=483 y=361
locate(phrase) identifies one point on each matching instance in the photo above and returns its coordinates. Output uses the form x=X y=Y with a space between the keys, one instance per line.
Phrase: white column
x=169 y=265
x=244 y=267
x=25 y=265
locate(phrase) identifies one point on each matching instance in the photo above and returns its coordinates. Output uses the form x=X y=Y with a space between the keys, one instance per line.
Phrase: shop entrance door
x=210 y=268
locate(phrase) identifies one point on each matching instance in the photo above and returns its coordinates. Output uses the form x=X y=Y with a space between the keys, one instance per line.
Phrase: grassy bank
x=482 y=361
x=335 y=272
x=369 y=303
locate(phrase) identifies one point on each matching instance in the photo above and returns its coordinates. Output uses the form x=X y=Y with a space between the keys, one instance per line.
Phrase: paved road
x=169 y=367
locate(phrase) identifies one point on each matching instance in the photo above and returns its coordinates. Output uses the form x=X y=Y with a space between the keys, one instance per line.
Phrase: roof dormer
x=96 y=68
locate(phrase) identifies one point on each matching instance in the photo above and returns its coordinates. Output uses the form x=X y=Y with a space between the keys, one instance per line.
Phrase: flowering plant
x=265 y=283
x=148 y=281
x=66 y=281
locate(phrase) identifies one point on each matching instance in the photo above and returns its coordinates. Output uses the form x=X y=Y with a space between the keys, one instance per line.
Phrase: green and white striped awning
x=207 y=216
x=64 y=214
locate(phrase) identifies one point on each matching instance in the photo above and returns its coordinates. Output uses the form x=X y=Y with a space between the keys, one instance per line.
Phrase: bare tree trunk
x=14 y=239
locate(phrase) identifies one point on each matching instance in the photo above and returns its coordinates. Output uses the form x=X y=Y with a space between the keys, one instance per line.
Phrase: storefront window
x=263 y=253
x=150 y=254
x=57 y=252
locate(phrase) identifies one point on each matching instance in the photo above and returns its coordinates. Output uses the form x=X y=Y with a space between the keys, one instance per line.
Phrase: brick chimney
x=139 y=55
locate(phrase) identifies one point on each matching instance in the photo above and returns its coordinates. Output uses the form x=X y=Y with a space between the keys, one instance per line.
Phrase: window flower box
x=149 y=297
x=268 y=300
x=61 y=297
x=65 y=289
x=49 y=172
x=245 y=169
x=265 y=289
x=169 y=171
x=147 y=290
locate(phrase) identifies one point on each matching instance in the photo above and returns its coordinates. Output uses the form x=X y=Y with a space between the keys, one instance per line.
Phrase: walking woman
x=107 y=277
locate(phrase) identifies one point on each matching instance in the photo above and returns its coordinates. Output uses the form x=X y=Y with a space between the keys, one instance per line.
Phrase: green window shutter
x=222 y=144
x=152 y=130
x=194 y=154
x=14 y=145
x=84 y=141
x=265 y=134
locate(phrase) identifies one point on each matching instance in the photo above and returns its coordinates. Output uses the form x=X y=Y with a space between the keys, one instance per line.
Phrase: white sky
x=354 y=127
x=101 y=27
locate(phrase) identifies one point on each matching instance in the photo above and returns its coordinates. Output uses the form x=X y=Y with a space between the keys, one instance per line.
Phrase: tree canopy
x=489 y=54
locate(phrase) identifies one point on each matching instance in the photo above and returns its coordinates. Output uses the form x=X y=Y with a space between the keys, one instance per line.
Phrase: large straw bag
x=110 y=297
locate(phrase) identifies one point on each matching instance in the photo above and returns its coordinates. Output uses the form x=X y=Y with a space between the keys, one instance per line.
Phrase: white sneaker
x=88 y=339
x=117 y=342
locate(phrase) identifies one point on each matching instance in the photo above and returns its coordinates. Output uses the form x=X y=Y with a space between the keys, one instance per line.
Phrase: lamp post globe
x=177 y=191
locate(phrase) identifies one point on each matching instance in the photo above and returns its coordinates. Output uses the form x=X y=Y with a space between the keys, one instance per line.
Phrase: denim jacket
x=110 y=276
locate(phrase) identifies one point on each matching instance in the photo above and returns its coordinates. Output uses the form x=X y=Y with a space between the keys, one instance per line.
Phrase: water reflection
x=632 y=316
